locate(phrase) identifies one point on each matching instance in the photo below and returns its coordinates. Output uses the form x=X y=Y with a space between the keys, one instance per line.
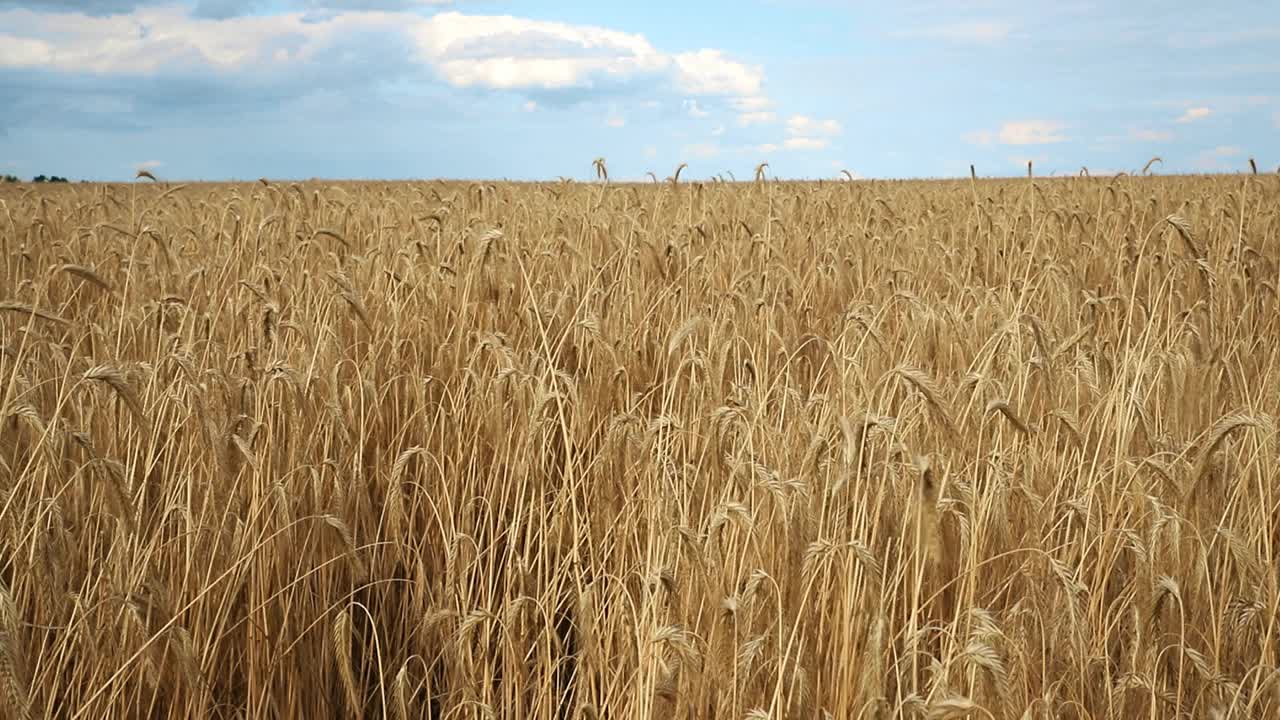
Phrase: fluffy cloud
x=1152 y=135
x=1222 y=157
x=169 y=40
x=1024 y=132
x=694 y=109
x=805 y=143
x=137 y=60
x=804 y=126
x=217 y=9
x=753 y=110
x=95 y=7
x=1031 y=132
x=1194 y=114
x=803 y=133
x=701 y=150
x=510 y=53
x=223 y=9
x=709 y=72
x=751 y=103
x=466 y=51
x=980 y=137
x=756 y=117
x=157 y=65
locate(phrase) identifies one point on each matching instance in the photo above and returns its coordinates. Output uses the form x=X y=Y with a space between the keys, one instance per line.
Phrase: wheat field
x=971 y=448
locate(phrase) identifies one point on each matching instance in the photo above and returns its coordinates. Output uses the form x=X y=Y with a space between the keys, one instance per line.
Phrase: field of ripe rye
x=991 y=449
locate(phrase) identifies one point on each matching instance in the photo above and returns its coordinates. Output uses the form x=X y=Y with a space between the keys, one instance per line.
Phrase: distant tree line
x=38 y=179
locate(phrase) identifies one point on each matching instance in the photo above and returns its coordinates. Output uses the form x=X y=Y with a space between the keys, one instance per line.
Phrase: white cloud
x=150 y=40
x=691 y=106
x=1222 y=157
x=751 y=103
x=505 y=52
x=1023 y=132
x=1152 y=135
x=767 y=148
x=23 y=52
x=753 y=110
x=709 y=72
x=980 y=137
x=1193 y=114
x=805 y=143
x=967 y=32
x=1031 y=132
x=756 y=117
x=471 y=51
x=804 y=126
x=701 y=150
x=496 y=53
x=147 y=165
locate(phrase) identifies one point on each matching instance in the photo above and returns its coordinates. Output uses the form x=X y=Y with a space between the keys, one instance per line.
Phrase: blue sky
x=223 y=89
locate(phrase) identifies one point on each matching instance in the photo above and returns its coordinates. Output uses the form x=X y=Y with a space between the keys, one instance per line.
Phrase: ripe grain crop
x=989 y=448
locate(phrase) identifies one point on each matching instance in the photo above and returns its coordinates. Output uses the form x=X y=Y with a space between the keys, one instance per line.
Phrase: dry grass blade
x=17 y=307
x=1005 y=409
x=87 y=274
x=330 y=232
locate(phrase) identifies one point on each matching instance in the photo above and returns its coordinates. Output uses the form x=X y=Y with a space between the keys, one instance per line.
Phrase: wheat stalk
x=17 y=307
x=340 y=634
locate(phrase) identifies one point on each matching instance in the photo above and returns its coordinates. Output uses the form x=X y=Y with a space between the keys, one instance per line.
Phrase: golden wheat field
x=991 y=449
